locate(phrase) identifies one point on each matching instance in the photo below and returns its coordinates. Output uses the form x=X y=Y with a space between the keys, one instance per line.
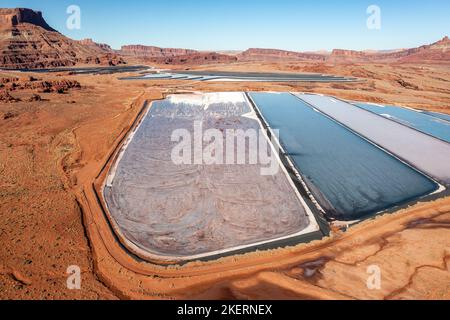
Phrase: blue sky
x=240 y=24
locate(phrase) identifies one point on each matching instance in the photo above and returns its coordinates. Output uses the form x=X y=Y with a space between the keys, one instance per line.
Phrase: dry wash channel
x=169 y=212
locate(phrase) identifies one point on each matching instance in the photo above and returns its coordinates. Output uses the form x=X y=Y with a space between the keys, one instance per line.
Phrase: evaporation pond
x=349 y=176
x=420 y=121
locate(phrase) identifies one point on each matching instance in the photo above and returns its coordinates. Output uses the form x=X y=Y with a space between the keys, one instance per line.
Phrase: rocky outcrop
x=108 y=59
x=141 y=51
x=174 y=56
x=195 y=59
x=5 y=97
x=10 y=18
x=407 y=85
x=348 y=53
x=27 y=42
x=438 y=51
x=102 y=46
x=35 y=97
x=41 y=86
x=342 y=55
x=275 y=54
x=52 y=86
x=8 y=80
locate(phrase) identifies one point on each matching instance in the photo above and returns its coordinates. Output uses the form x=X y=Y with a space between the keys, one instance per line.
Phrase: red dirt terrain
x=51 y=151
x=58 y=131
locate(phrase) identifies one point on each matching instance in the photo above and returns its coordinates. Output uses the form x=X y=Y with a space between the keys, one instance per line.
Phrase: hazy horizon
x=238 y=25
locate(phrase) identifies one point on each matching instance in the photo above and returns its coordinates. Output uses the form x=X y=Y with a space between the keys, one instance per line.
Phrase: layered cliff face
x=438 y=51
x=28 y=42
x=274 y=54
x=90 y=43
x=141 y=51
x=348 y=53
x=174 y=56
x=199 y=58
x=10 y=18
x=341 y=55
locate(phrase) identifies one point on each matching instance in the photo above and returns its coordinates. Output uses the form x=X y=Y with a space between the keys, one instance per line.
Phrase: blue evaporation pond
x=420 y=121
x=157 y=76
x=179 y=76
x=439 y=115
x=349 y=176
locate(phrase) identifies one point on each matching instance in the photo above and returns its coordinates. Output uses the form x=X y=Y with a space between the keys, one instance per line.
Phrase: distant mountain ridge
x=276 y=54
x=103 y=46
x=174 y=56
x=28 y=42
x=438 y=51
x=153 y=52
x=198 y=58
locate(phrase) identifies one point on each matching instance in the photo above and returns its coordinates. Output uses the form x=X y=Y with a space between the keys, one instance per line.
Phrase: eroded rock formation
x=438 y=51
x=274 y=54
x=28 y=42
x=153 y=52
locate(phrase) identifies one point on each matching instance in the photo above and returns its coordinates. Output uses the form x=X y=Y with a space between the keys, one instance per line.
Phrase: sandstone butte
x=28 y=42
